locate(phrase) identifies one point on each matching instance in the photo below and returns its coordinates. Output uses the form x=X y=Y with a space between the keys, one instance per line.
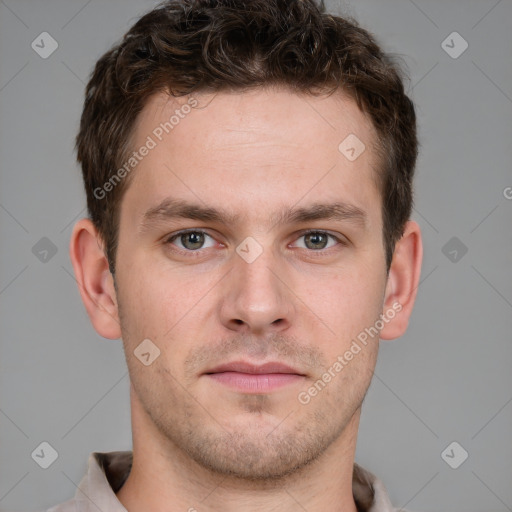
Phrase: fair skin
x=201 y=441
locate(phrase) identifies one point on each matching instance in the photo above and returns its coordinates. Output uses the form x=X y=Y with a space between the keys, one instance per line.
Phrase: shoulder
x=66 y=506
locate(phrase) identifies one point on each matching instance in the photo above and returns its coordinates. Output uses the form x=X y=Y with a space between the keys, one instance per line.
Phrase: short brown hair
x=184 y=46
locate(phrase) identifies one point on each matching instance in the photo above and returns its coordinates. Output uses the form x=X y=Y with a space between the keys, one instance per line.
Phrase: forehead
x=266 y=146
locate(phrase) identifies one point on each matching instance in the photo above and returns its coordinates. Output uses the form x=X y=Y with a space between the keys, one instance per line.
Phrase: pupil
x=316 y=238
x=192 y=240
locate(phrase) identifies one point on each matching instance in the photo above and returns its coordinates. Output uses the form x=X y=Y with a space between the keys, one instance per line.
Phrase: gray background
x=448 y=379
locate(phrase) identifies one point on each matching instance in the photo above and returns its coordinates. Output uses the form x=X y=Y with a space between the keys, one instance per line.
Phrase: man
x=248 y=169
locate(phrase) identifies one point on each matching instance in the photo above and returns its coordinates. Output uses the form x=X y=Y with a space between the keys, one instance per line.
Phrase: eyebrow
x=173 y=208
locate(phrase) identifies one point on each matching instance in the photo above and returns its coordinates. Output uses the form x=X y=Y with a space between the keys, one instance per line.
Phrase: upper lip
x=247 y=367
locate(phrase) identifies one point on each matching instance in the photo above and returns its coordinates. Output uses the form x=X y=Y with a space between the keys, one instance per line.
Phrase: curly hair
x=183 y=46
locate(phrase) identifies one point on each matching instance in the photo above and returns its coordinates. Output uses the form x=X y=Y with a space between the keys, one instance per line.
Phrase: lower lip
x=255 y=383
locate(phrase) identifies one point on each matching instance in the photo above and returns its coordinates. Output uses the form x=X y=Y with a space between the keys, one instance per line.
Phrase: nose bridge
x=257 y=297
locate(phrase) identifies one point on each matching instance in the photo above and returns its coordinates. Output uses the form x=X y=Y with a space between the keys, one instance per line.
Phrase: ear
x=94 y=279
x=402 y=283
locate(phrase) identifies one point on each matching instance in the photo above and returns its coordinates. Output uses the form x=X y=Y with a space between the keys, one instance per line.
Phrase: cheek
x=154 y=296
x=358 y=293
x=351 y=310
x=152 y=309
x=167 y=307
x=141 y=306
x=346 y=304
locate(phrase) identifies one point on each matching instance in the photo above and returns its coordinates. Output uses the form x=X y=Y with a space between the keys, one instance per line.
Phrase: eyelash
x=197 y=252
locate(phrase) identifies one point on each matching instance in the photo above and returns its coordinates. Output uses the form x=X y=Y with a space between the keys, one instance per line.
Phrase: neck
x=165 y=479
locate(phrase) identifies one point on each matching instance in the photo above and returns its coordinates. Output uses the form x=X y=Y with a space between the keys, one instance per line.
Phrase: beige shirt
x=107 y=472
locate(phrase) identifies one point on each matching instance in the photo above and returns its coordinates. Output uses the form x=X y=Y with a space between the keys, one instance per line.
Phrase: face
x=251 y=256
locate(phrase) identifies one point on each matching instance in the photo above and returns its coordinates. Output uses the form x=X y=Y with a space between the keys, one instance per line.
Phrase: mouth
x=248 y=377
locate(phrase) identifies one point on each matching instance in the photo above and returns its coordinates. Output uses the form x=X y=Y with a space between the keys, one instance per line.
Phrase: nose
x=255 y=297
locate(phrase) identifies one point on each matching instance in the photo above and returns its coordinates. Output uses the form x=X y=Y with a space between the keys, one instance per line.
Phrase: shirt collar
x=107 y=472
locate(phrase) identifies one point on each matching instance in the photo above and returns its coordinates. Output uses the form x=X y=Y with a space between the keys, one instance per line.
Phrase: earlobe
x=94 y=279
x=403 y=281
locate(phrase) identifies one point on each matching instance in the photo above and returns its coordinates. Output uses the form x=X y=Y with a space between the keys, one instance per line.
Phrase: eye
x=190 y=240
x=194 y=240
x=318 y=240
